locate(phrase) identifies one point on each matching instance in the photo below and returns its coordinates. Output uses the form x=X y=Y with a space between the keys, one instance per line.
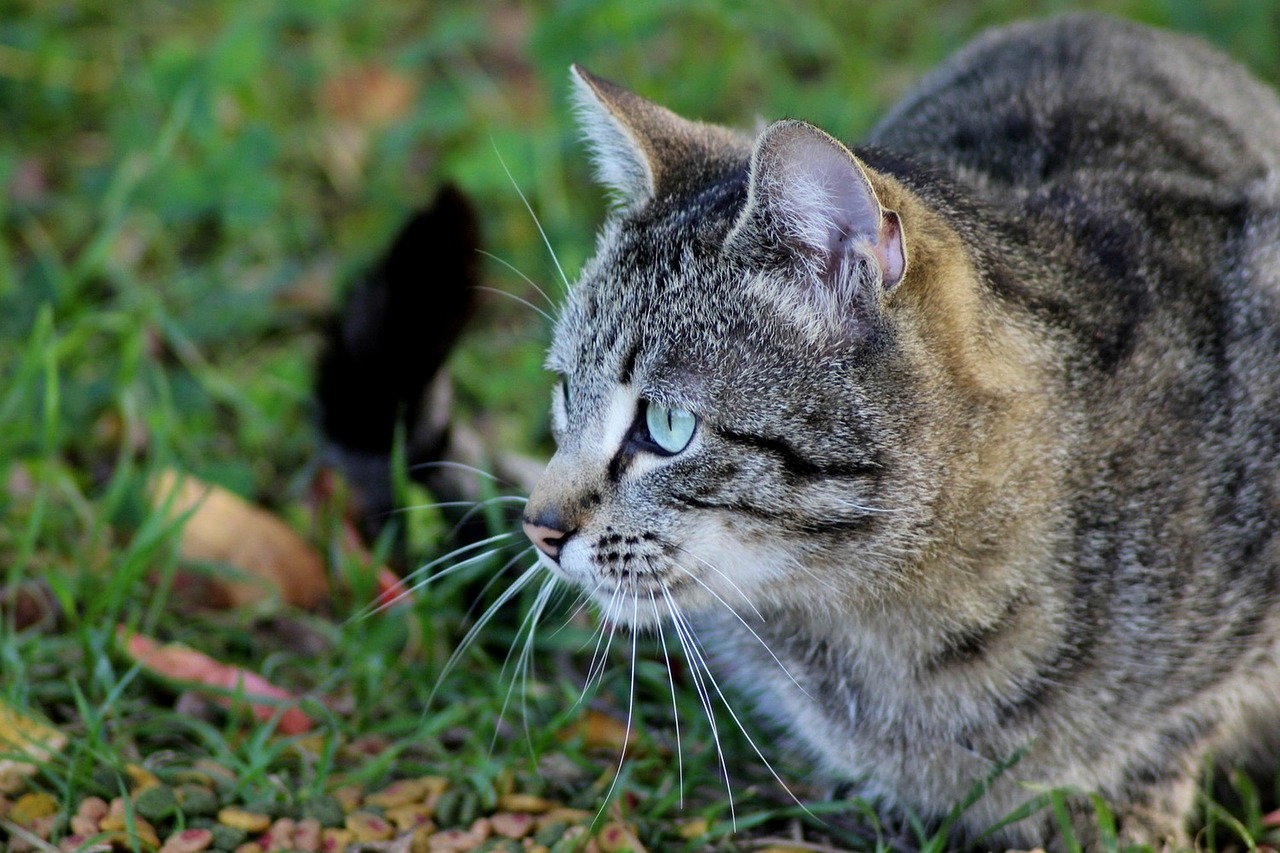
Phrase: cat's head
x=735 y=393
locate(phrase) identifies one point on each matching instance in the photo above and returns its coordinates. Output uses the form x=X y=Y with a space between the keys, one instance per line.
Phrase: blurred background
x=186 y=191
x=185 y=187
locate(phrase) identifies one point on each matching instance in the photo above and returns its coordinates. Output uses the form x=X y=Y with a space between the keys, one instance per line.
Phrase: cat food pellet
x=156 y=802
x=512 y=824
x=366 y=826
x=280 y=835
x=692 y=829
x=88 y=815
x=197 y=800
x=120 y=826
x=348 y=797
x=227 y=837
x=188 y=841
x=141 y=777
x=326 y=809
x=565 y=815
x=244 y=820
x=524 y=803
x=409 y=816
x=399 y=794
x=616 y=838
x=31 y=806
x=574 y=839
x=335 y=840
x=306 y=835
x=455 y=841
x=77 y=843
x=550 y=832
x=447 y=808
x=249 y=847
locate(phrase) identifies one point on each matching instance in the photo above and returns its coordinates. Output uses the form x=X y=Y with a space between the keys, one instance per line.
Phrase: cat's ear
x=810 y=190
x=641 y=150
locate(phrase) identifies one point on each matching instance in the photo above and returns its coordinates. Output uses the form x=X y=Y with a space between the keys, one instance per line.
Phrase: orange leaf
x=223 y=527
x=182 y=664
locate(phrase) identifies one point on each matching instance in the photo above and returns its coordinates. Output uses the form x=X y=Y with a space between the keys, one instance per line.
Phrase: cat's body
x=985 y=440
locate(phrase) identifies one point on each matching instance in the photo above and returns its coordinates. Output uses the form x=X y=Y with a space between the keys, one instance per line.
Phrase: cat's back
x=1079 y=95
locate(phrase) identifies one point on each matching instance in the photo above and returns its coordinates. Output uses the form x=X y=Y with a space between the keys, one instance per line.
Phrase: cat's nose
x=548 y=539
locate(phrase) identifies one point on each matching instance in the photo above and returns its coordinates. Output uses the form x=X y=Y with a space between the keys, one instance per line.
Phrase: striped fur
x=996 y=470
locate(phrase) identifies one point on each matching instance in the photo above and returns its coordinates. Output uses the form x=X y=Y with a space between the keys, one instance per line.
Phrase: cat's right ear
x=809 y=191
x=641 y=150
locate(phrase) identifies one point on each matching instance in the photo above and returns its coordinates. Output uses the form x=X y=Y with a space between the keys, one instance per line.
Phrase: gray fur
x=1026 y=497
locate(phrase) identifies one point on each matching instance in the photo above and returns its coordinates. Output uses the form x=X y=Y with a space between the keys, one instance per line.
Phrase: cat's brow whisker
x=671 y=680
x=525 y=302
x=745 y=624
x=517 y=271
x=545 y=240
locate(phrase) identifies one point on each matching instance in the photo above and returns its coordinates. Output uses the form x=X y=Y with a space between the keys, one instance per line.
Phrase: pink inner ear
x=889 y=249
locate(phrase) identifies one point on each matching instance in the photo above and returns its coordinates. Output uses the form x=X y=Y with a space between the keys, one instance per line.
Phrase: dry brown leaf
x=372 y=96
x=223 y=527
x=599 y=731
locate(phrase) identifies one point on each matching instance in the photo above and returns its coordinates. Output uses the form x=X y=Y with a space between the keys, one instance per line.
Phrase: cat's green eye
x=670 y=429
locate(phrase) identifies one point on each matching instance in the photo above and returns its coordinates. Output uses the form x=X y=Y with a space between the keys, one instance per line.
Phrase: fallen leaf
x=26 y=740
x=223 y=527
x=599 y=731
x=373 y=96
x=192 y=669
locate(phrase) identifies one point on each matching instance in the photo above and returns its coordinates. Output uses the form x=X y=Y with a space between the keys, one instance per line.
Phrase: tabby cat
x=959 y=445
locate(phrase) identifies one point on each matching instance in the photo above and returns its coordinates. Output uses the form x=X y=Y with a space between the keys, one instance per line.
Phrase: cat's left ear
x=641 y=150
x=809 y=189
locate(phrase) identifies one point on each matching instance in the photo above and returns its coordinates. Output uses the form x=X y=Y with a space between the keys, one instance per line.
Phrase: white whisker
x=420 y=582
x=528 y=626
x=596 y=668
x=526 y=278
x=723 y=576
x=704 y=697
x=745 y=624
x=525 y=302
x=631 y=704
x=474 y=631
x=545 y=240
x=675 y=709
x=696 y=652
x=470 y=469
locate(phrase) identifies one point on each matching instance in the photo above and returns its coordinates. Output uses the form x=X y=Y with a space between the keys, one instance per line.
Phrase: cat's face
x=718 y=437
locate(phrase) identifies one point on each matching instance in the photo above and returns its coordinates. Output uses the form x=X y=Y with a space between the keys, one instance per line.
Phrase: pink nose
x=547 y=539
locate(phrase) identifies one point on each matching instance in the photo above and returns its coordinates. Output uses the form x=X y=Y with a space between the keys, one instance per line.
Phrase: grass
x=186 y=188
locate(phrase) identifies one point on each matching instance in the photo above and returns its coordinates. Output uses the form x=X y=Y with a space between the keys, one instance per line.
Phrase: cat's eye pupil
x=670 y=429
